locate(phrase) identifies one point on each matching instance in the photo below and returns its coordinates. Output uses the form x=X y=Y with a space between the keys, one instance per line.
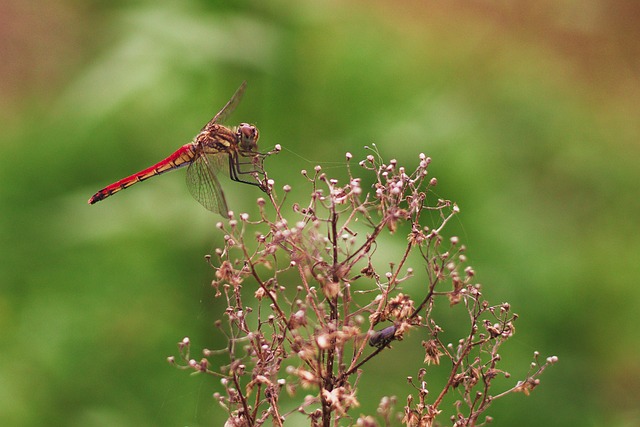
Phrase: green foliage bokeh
x=529 y=113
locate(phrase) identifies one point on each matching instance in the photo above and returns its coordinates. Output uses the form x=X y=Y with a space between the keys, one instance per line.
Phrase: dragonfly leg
x=235 y=172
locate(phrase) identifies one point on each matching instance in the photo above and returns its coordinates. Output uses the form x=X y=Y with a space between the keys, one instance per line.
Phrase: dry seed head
x=331 y=289
x=432 y=353
x=298 y=319
x=367 y=421
x=235 y=421
x=307 y=379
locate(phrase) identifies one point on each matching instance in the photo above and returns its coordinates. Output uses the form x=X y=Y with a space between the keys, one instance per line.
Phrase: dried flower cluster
x=311 y=300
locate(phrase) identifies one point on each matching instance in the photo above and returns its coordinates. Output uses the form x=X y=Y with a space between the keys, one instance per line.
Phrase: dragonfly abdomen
x=182 y=157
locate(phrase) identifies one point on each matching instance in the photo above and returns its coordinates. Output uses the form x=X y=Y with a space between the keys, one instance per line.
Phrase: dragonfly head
x=247 y=137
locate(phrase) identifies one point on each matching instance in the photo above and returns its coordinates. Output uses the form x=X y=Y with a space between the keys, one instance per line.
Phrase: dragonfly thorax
x=247 y=137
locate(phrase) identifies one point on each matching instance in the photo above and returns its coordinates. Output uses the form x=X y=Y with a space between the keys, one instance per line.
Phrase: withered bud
x=324 y=341
x=527 y=386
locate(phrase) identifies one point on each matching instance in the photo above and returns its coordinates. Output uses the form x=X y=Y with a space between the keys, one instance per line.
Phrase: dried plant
x=309 y=304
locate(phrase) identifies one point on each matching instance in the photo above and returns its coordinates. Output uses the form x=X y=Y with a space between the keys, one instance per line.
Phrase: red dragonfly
x=214 y=148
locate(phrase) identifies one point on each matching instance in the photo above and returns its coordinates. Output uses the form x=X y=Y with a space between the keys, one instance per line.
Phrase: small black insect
x=383 y=337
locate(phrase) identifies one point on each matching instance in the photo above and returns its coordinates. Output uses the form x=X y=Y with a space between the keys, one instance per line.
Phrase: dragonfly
x=216 y=147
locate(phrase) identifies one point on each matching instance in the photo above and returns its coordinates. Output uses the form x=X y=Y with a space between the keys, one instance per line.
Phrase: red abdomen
x=184 y=156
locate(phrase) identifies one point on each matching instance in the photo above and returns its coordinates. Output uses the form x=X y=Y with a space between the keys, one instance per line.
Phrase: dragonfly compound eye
x=248 y=136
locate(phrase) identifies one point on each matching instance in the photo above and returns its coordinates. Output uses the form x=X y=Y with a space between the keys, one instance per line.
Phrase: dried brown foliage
x=308 y=305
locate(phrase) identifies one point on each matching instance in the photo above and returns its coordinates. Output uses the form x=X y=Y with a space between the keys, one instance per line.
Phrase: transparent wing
x=228 y=108
x=204 y=186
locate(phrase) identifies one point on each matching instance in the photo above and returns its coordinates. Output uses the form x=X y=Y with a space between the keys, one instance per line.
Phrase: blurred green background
x=528 y=109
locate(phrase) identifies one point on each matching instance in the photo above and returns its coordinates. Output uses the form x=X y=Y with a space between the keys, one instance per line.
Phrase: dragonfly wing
x=204 y=186
x=228 y=108
x=219 y=162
